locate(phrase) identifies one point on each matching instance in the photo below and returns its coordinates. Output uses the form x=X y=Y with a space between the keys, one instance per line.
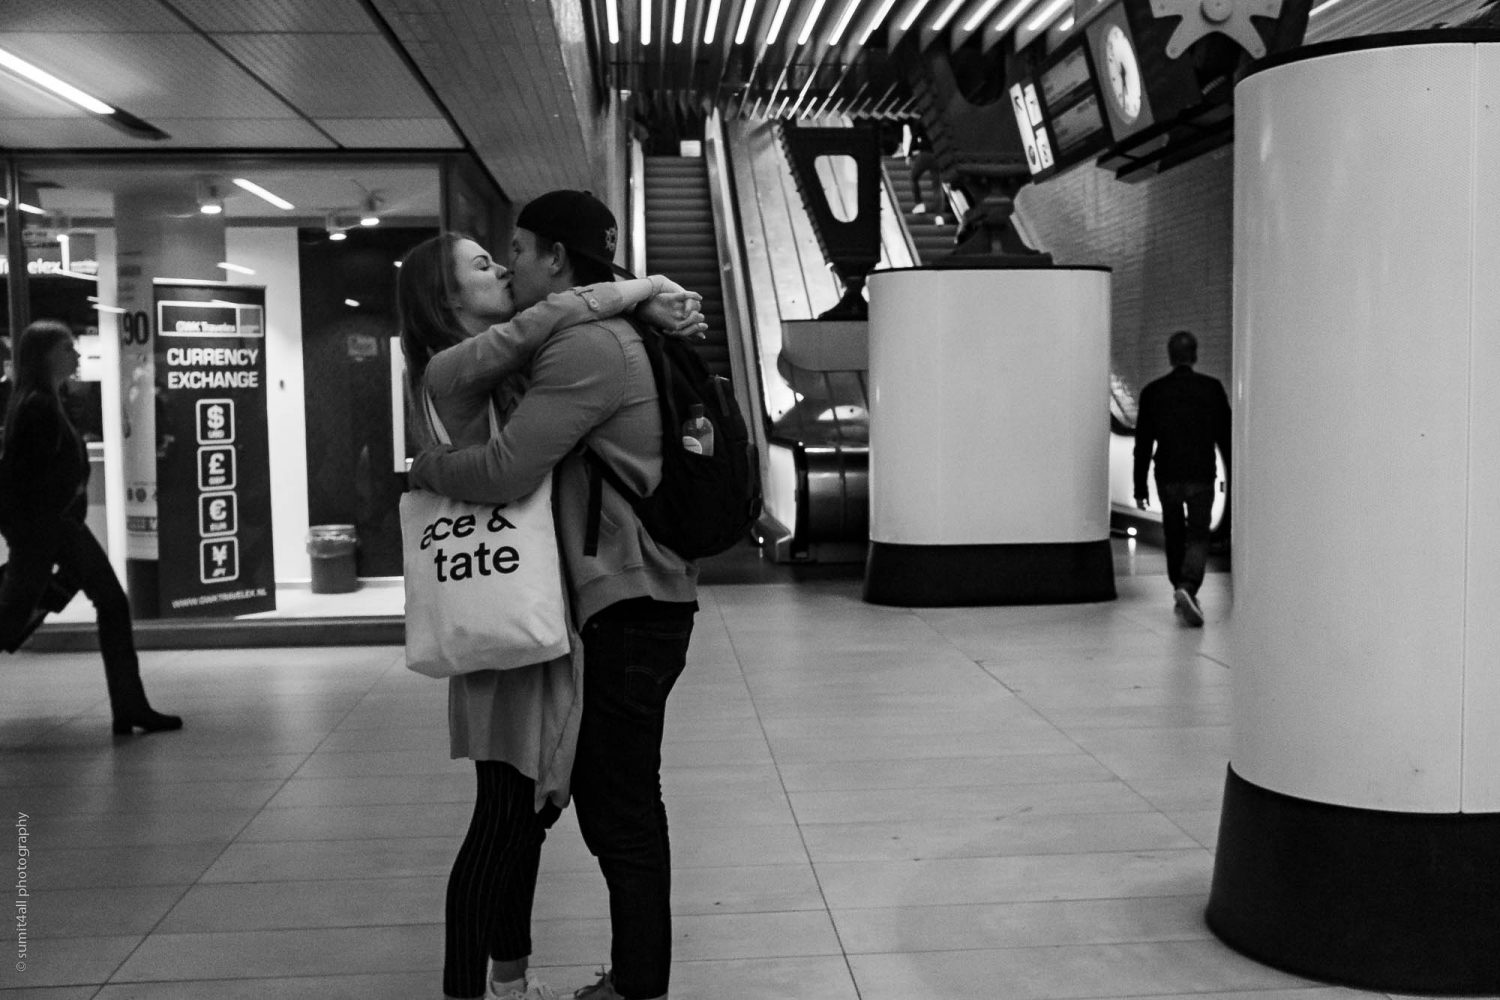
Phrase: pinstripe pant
x=494 y=878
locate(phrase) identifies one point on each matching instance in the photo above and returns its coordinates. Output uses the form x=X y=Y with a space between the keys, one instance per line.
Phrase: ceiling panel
x=87 y=132
x=117 y=15
x=333 y=75
x=1346 y=18
x=276 y=15
x=392 y=133
x=152 y=75
x=501 y=72
x=19 y=99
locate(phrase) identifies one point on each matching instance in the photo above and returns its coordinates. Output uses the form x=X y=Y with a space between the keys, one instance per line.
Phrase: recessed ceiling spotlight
x=368 y=216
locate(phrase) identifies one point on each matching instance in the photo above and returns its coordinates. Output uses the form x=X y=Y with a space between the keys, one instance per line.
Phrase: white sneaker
x=1187 y=608
x=920 y=208
x=535 y=990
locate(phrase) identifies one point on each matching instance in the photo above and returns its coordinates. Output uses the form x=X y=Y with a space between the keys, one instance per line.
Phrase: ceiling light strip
x=1049 y=14
x=745 y=18
x=913 y=14
x=947 y=15
x=39 y=76
x=1320 y=8
x=612 y=20
x=885 y=8
x=678 y=19
x=645 y=22
x=981 y=14
x=713 y=21
x=263 y=194
x=809 y=21
x=776 y=20
x=1008 y=19
x=843 y=22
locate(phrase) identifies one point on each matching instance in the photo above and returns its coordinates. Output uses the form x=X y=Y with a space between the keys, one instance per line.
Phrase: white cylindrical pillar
x=1360 y=837
x=159 y=233
x=989 y=436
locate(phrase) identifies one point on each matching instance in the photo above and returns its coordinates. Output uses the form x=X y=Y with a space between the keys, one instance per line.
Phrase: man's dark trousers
x=634 y=651
x=1186 y=509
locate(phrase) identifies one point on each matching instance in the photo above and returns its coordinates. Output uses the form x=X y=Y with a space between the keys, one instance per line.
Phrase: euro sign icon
x=217 y=509
x=216 y=418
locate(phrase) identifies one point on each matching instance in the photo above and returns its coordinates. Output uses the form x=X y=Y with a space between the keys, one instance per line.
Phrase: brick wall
x=1169 y=240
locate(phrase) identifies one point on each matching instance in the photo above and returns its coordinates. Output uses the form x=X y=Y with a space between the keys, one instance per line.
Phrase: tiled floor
x=866 y=802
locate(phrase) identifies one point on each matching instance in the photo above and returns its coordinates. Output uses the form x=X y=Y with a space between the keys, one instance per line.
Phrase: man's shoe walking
x=1187 y=608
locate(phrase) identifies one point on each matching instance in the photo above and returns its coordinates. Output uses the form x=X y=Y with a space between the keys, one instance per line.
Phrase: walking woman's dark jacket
x=44 y=472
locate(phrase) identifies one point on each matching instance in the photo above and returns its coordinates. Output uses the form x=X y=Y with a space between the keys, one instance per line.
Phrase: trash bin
x=331 y=547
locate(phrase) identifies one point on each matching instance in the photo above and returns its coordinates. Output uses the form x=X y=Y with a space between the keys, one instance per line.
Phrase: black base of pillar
x=1386 y=901
x=938 y=576
x=141 y=578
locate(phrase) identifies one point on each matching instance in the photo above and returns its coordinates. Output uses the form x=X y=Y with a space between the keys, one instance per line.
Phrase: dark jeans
x=79 y=555
x=1186 y=509
x=925 y=162
x=634 y=652
x=493 y=882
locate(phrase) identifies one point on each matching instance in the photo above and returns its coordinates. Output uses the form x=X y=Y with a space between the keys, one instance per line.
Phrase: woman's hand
x=678 y=313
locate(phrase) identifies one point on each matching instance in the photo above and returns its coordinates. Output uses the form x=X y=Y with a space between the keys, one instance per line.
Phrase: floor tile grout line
x=233 y=839
x=787 y=798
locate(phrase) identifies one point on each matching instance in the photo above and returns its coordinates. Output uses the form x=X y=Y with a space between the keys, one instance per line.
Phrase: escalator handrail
x=738 y=320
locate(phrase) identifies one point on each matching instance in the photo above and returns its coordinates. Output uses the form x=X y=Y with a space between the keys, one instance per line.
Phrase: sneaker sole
x=1185 y=608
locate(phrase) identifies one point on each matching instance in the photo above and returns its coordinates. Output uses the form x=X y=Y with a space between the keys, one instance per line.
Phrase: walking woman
x=519 y=726
x=44 y=473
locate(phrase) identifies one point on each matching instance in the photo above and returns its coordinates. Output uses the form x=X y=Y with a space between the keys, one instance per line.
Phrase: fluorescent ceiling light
x=776 y=21
x=744 y=28
x=885 y=9
x=911 y=18
x=1013 y=15
x=713 y=22
x=809 y=21
x=677 y=20
x=1048 y=14
x=236 y=268
x=40 y=76
x=109 y=309
x=645 y=22
x=1320 y=8
x=844 y=19
x=30 y=208
x=352 y=303
x=262 y=193
x=612 y=18
x=337 y=235
x=1066 y=25
x=947 y=15
x=980 y=15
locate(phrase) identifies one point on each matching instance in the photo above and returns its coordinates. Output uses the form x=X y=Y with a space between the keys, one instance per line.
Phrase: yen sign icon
x=219 y=559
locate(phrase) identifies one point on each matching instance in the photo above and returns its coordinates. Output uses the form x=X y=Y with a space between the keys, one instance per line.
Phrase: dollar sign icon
x=216 y=418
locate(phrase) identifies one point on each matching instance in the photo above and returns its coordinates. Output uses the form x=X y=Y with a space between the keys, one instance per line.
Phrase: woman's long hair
x=33 y=372
x=424 y=290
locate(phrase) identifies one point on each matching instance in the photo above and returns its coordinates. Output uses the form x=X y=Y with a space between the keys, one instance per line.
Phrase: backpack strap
x=599 y=471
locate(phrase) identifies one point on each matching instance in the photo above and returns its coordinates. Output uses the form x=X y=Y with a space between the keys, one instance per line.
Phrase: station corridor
x=866 y=802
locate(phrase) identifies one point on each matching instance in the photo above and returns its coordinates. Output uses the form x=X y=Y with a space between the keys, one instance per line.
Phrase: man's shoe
x=604 y=989
x=535 y=990
x=1187 y=608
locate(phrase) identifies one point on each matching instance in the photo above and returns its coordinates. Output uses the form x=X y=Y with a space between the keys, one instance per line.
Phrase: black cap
x=578 y=221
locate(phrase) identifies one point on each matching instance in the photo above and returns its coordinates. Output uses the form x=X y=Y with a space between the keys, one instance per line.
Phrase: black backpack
x=705 y=503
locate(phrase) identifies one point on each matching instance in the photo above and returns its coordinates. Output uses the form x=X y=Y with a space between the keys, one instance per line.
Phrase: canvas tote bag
x=484 y=588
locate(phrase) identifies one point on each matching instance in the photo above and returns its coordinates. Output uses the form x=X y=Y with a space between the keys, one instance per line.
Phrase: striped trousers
x=493 y=881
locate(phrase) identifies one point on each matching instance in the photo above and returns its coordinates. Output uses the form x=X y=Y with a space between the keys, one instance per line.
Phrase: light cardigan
x=527 y=717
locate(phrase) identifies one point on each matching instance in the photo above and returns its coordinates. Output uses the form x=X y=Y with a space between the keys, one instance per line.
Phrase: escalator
x=680 y=243
x=932 y=232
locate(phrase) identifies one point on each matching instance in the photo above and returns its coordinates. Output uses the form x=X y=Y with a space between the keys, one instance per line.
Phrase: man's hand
x=1142 y=503
x=678 y=313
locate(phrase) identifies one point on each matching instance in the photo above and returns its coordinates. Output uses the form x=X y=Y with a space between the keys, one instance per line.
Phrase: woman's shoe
x=147 y=720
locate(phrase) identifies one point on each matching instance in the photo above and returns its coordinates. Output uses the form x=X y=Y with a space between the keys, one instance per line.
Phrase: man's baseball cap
x=578 y=221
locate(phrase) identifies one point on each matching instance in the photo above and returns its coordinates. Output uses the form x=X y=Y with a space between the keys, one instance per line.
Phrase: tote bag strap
x=435 y=423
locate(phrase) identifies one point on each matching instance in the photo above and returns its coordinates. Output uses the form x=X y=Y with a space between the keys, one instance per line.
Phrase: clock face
x=1124 y=73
